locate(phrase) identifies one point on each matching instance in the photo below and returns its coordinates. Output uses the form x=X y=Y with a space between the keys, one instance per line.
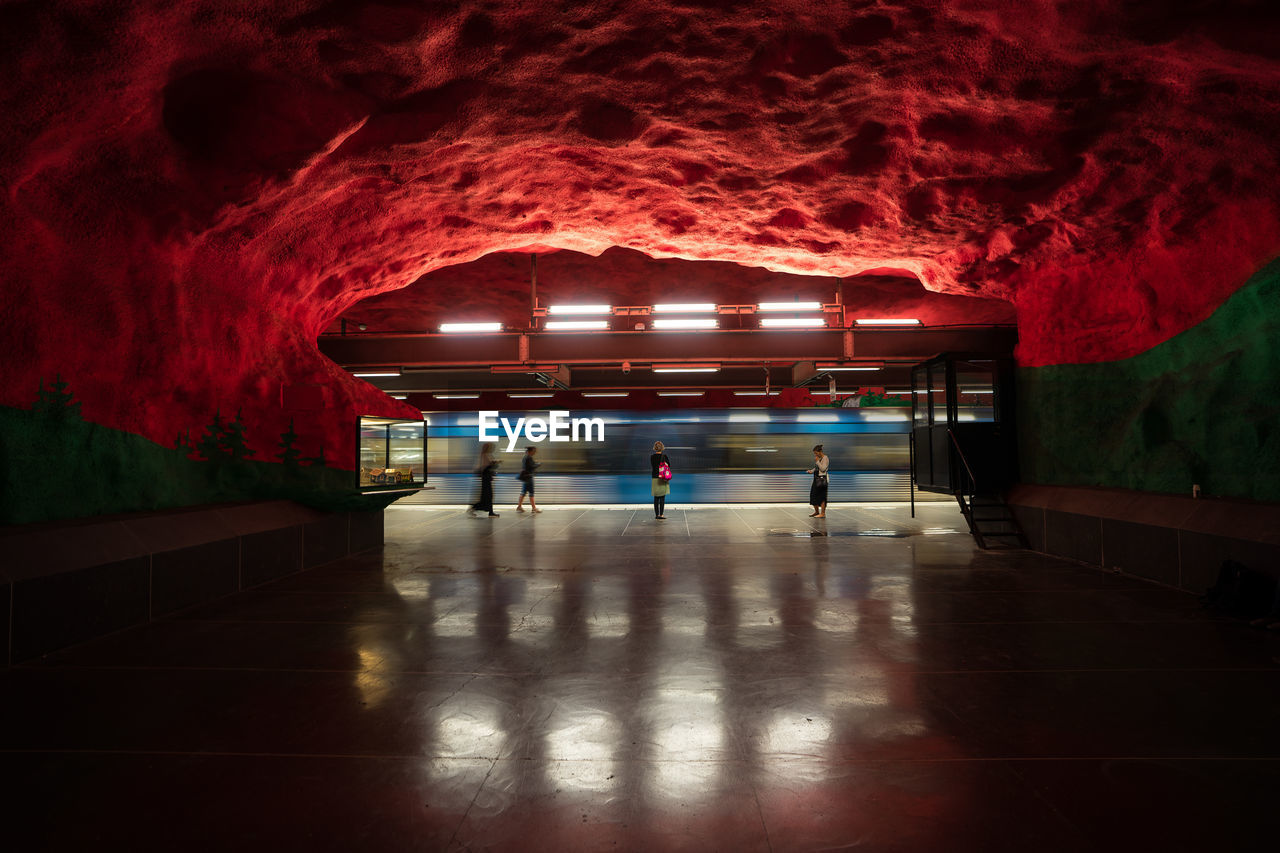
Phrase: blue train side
x=717 y=455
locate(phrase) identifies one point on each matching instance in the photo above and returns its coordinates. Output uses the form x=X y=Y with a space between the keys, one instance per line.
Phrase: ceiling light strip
x=789 y=306
x=580 y=309
x=686 y=323
x=576 y=325
x=684 y=308
x=465 y=328
x=791 y=322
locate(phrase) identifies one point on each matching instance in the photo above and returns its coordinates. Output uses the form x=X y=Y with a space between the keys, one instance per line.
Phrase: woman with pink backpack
x=660 y=467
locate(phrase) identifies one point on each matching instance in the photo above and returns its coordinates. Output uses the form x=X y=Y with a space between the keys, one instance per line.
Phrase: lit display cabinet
x=393 y=453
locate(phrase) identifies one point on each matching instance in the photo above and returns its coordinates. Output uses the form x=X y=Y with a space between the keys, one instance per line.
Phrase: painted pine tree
x=289 y=453
x=212 y=444
x=56 y=401
x=233 y=440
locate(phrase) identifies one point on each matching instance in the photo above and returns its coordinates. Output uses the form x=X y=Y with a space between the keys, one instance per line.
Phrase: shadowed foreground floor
x=728 y=679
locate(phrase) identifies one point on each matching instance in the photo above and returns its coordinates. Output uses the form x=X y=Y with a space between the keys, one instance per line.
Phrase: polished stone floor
x=592 y=679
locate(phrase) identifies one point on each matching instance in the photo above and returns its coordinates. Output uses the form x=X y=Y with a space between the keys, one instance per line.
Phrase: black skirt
x=818 y=491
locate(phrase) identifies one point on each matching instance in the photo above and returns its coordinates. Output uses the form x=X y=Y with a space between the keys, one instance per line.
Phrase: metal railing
x=972 y=480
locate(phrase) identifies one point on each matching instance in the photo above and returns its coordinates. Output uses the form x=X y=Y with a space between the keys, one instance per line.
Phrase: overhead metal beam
x=753 y=346
x=802 y=372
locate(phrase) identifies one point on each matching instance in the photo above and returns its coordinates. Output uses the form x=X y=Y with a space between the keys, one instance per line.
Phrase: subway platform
x=733 y=678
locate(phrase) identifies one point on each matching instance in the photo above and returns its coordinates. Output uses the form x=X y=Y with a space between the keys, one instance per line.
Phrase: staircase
x=991 y=522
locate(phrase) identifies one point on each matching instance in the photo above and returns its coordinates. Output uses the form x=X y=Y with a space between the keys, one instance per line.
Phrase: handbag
x=664 y=471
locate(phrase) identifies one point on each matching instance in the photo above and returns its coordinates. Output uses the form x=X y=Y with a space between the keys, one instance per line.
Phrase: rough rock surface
x=497 y=288
x=194 y=190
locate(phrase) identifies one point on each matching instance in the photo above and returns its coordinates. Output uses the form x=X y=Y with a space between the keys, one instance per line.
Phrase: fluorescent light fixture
x=976 y=391
x=604 y=393
x=399 y=397
x=455 y=328
x=789 y=306
x=755 y=393
x=684 y=308
x=813 y=391
x=845 y=369
x=761 y=449
x=688 y=368
x=365 y=374
x=680 y=393
x=792 y=322
x=528 y=396
x=456 y=396
x=887 y=321
x=686 y=323
x=576 y=325
x=580 y=309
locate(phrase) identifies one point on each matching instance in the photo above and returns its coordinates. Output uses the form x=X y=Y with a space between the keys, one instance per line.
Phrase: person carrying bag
x=818 y=491
x=660 y=469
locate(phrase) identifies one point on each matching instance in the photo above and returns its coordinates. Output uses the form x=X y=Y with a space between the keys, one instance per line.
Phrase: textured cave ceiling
x=498 y=287
x=226 y=179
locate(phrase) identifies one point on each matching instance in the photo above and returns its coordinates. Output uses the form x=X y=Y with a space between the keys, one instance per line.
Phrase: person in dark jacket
x=661 y=487
x=485 y=468
x=526 y=480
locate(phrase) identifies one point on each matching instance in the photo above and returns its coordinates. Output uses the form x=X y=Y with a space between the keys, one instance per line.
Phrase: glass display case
x=393 y=453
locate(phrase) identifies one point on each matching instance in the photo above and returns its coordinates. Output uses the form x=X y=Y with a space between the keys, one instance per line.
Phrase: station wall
x=1202 y=408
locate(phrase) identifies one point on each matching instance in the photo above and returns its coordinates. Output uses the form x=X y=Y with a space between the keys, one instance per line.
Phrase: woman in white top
x=818 y=491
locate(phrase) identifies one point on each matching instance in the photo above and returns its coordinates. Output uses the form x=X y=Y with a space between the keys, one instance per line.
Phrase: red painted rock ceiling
x=194 y=190
x=497 y=287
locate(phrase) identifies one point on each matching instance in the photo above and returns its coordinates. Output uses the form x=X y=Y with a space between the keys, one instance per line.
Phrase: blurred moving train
x=717 y=456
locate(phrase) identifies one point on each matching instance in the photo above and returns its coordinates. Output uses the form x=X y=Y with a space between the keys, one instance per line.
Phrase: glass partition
x=392 y=453
x=938 y=394
x=975 y=391
x=919 y=396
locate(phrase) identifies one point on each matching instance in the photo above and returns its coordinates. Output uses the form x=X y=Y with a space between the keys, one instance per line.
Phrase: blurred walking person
x=527 y=467
x=485 y=468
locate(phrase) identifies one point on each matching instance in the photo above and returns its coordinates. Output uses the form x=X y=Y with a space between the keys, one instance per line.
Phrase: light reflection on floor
x=594 y=679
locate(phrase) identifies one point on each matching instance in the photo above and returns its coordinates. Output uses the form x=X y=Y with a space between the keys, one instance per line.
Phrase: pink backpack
x=664 y=471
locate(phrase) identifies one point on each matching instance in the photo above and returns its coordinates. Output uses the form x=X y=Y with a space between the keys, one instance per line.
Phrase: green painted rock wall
x=56 y=465
x=1201 y=408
